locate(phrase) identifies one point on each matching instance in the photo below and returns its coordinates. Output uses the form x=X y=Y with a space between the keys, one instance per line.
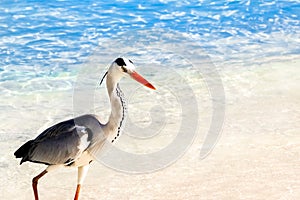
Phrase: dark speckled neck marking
x=123 y=104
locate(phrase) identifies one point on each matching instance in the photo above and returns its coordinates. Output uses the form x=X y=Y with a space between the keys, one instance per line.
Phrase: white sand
x=257 y=156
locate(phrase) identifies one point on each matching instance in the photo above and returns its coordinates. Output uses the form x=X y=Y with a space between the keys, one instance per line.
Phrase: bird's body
x=63 y=143
x=75 y=142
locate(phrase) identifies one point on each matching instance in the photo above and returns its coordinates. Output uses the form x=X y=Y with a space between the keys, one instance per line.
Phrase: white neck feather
x=118 y=113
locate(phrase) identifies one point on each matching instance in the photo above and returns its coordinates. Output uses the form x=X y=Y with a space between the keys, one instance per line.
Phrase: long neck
x=117 y=116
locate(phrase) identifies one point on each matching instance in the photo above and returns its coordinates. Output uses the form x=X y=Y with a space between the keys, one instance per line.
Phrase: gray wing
x=62 y=143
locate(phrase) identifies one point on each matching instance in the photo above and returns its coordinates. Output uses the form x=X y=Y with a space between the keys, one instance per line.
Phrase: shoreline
x=256 y=156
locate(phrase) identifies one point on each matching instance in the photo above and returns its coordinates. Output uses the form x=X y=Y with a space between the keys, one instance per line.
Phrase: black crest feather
x=120 y=62
x=103 y=78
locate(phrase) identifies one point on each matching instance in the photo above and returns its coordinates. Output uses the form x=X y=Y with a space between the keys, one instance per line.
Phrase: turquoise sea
x=226 y=71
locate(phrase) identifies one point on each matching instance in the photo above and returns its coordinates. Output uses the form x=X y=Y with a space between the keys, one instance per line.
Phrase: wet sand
x=256 y=157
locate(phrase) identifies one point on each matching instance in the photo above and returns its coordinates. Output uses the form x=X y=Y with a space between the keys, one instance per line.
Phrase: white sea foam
x=44 y=52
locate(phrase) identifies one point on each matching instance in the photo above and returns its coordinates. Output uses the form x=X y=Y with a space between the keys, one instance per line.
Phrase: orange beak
x=141 y=80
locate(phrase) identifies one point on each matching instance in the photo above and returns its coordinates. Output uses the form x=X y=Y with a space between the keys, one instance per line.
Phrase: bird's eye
x=130 y=61
x=124 y=69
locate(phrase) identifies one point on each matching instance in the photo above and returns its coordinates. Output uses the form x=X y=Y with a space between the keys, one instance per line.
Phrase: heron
x=75 y=142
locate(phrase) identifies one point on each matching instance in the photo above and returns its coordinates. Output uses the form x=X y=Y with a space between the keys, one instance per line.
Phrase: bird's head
x=124 y=67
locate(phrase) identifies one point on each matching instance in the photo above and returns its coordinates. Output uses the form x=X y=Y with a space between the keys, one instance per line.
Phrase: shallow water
x=51 y=39
x=260 y=130
x=52 y=54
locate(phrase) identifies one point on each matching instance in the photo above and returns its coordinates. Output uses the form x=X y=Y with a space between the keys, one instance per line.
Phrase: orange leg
x=82 y=171
x=35 y=183
x=77 y=192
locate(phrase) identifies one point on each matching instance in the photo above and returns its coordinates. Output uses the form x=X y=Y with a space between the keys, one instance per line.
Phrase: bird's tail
x=23 y=151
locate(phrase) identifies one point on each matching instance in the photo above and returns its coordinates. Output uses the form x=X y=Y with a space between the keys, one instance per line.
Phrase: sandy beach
x=256 y=157
x=217 y=65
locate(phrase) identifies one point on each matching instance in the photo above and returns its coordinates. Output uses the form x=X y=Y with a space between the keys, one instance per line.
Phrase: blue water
x=47 y=38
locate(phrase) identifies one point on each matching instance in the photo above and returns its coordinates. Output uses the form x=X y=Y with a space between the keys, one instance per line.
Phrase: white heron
x=74 y=142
